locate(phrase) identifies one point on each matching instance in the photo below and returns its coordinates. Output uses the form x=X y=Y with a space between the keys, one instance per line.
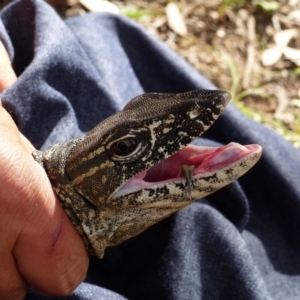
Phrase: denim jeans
x=242 y=242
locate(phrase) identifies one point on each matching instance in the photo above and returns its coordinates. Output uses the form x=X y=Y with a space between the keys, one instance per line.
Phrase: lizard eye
x=125 y=147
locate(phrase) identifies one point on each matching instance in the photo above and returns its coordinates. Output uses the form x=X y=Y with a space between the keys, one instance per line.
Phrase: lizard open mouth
x=198 y=161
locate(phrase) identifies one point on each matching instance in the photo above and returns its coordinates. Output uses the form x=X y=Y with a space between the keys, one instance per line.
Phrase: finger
x=7 y=74
x=12 y=285
x=49 y=252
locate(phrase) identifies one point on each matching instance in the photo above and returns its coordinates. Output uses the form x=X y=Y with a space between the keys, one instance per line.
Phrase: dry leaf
x=100 y=6
x=271 y=56
x=295 y=15
x=282 y=38
x=296 y=103
x=175 y=19
x=292 y=54
x=294 y=2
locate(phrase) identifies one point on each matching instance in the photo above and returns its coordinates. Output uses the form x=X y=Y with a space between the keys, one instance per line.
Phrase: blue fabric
x=242 y=242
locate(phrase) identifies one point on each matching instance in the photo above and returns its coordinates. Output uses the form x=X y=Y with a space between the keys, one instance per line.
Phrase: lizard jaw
x=206 y=162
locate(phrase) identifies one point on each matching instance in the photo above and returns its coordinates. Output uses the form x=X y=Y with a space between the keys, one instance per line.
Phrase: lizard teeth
x=188 y=174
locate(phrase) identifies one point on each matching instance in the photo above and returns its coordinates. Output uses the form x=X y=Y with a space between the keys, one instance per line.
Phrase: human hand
x=38 y=244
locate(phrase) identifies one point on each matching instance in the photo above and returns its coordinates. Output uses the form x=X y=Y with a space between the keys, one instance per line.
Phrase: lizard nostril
x=195 y=113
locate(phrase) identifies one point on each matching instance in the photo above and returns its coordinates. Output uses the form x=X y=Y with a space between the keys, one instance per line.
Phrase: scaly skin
x=99 y=177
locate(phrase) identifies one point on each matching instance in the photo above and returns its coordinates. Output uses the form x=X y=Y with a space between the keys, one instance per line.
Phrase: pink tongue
x=203 y=158
x=222 y=155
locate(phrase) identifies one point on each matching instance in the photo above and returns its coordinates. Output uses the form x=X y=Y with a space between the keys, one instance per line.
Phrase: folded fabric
x=242 y=242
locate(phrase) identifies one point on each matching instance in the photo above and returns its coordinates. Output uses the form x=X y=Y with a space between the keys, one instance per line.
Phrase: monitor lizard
x=136 y=168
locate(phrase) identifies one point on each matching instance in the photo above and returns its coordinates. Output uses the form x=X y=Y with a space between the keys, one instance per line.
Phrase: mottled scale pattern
x=87 y=171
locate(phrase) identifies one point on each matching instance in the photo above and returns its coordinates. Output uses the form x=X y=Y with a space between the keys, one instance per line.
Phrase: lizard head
x=135 y=168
